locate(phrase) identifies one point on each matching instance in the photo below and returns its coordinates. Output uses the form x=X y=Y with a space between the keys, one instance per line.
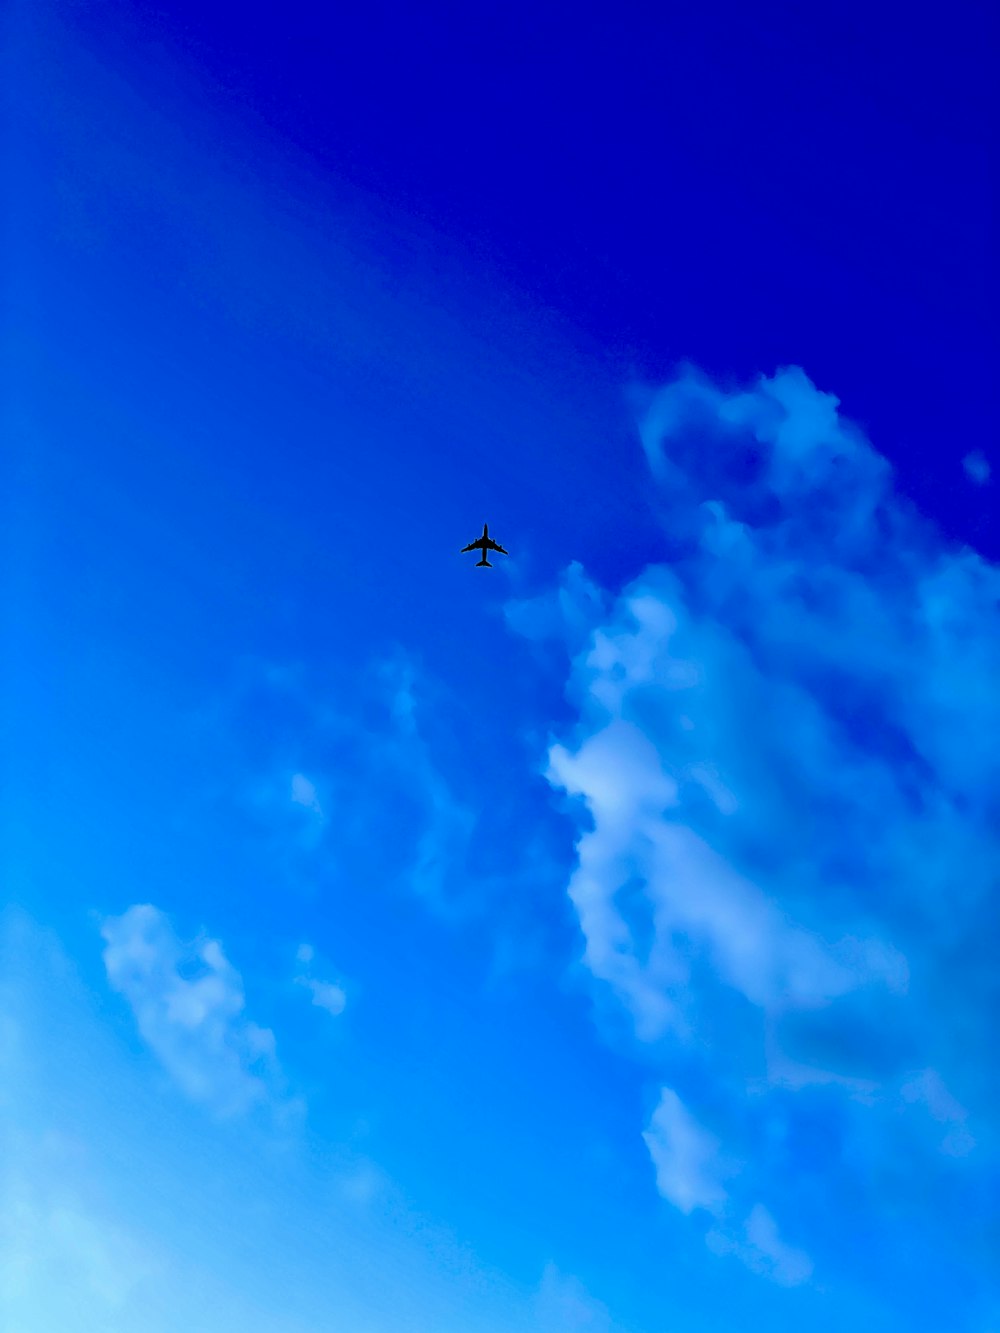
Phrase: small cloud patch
x=325 y=994
x=188 y=1001
x=977 y=468
x=304 y=793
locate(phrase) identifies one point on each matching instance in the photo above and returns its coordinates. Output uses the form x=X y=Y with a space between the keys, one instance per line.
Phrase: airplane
x=484 y=543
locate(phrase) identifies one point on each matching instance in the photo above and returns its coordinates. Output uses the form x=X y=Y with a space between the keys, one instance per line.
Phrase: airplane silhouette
x=484 y=543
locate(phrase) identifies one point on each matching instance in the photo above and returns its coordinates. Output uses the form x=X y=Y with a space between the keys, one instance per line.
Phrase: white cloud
x=696 y=900
x=977 y=468
x=188 y=1002
x=721 y=704
x=304 y=793
x=325 y=994
x=787 y=789
x=686 y=1157
x=118 y=1216
x=763 y=1251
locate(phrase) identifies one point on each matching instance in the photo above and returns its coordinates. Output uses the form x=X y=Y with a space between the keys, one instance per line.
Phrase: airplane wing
x=495 y=546
x=472 y=546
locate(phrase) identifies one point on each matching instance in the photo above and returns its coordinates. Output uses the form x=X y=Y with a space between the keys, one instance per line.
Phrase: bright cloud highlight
x=785 y=752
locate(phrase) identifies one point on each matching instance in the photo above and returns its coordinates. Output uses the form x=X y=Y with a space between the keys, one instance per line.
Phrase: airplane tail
x=484 y=561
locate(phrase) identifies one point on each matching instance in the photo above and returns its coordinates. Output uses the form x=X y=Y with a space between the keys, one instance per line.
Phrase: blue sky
x=604 y=941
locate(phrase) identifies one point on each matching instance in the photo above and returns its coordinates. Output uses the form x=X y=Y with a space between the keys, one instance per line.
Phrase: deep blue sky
x=739 y=186
x=603 y=941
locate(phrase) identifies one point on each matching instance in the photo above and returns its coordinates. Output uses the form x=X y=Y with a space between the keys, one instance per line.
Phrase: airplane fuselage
x=485 y=543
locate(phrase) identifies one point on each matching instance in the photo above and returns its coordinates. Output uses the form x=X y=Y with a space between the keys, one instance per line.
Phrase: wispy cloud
x=762 y=1249
x=977 y=468
x=59 y=1252
x=565 y=1305
x=686 y=1157
x=188 y=1002
x=325 y=994
x=66 y=1261
x=364 y=778
x=375 y=757
x=788 y=790
x=304 y=793
x=928 y=1089
x=448 y=822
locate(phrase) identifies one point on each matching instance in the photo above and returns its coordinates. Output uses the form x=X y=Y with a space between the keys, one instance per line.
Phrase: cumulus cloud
x=787 y=787
x=188 y=1002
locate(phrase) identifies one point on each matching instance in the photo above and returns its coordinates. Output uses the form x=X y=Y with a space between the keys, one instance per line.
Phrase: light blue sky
x=600 y=942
